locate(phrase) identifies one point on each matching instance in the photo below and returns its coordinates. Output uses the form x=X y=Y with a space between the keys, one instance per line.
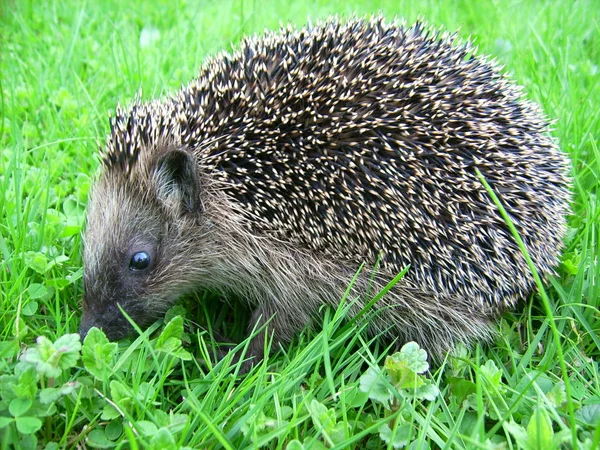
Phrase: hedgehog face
x=135 y=256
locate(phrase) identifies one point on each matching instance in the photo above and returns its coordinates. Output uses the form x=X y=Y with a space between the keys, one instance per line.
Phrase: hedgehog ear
x=177 y=183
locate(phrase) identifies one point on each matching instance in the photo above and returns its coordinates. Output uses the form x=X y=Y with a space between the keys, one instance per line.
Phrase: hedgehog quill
x=279 y=170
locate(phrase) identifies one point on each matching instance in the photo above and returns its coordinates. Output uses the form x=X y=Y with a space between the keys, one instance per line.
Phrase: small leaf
x=69 y=347
x=372 y=382
x=462 y=388
x=146 y=428
x=145 y=392
x=557 y=394
x=178 y=422
x=28 y=425
x=428 y=392
x=109 y=412
x=29 y=308
x=69 y=230
x=118 y=391
x=97 y=438
x=53 y=217
x=295 y=445
x=20 y=329
x=338 y=433
x=45 y=349
x=492 y=374
x=5 y=421
x=113 y=430
x=182 y=354
x=98 y=353
x=9 y=349
x=161 y=418
x=162 y=440
x=169 y=340
x=36 y=261
x=49 y=395
x=404 y=370
x=589 y=414
x=401 y=375
x=398 y=440
x=69 y=387
x=27 y=385
x=254 y=422
x=28 y=442
x=309 y=444
x=257 y=422
x=51 y=358
x=73 y=209
x=177 y=310
x=121 y=396
x=83 y=183
x=320 y=413
x=570 y=267
x=173 y=329
x=168 y=345
x=356 y=398
x=325 y=420
x=63 y=99
x=58 y=283
x=539 y=431
x=37 y=291
x=19 y=406
x=415 y=357
x=56 y=261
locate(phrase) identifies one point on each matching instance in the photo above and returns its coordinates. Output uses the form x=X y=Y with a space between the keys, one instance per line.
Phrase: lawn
x=65 y=65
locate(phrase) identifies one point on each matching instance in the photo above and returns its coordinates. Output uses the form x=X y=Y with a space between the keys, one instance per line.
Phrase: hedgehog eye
x=139 y=261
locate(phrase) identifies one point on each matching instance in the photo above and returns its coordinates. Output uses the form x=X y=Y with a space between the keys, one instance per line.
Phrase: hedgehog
x=307 y=154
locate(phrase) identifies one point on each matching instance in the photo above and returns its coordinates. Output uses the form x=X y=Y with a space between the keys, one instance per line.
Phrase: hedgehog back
x=362 y=139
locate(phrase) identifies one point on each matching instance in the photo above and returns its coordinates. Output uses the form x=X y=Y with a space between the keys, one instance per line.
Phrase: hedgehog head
x=137 y=255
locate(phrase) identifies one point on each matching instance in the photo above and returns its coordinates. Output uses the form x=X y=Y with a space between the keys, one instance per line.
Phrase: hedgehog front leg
x=260 y=330
x=269 y=328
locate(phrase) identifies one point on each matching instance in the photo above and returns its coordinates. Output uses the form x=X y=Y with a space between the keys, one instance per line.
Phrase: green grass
x=64 y=65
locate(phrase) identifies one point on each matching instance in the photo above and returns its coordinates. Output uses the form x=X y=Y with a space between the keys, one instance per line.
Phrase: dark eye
x=139 y=261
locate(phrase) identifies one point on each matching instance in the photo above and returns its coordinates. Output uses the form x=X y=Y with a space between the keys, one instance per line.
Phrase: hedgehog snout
x=107 y=317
